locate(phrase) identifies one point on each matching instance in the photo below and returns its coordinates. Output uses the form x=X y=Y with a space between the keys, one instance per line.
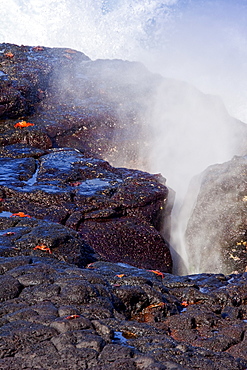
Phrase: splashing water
x=202 y=42
x=99 y=28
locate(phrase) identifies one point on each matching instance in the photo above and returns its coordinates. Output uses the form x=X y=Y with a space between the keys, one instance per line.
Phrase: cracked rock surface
x=56 y=315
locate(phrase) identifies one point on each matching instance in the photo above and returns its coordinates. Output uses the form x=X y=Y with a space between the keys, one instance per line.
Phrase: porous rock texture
x=81 y=250
x=55 y=315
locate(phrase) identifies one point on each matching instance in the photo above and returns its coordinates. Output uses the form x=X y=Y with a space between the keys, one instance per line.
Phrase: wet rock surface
x=76 y=231
x=218 y=221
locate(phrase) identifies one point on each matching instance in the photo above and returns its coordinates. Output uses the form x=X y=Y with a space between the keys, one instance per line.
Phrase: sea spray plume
x=206 y=46
x=101 y=29
x=157 y=124
x=191 y=130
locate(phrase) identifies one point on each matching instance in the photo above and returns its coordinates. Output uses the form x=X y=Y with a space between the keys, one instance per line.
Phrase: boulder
x=216 y=233
x=119 y=212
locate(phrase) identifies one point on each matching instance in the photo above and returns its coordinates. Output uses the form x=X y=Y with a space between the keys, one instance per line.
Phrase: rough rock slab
x=21 y=236
x=115 y=315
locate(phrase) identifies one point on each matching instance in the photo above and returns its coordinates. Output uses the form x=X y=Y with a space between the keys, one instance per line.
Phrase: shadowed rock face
x=216 y=231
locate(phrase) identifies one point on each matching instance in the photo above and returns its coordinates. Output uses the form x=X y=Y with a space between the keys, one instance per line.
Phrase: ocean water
x=200 y=42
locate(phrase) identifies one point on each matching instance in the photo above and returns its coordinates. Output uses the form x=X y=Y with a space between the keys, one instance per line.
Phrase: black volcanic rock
x=216 y=232
x=25 y=74
x=111 y=315
x=20 y=237
x=127 y=239
x=117 y=211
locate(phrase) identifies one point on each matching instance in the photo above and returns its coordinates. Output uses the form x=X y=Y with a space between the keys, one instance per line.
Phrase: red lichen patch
x=72 y=317
x=9 y=233
x=148 y=313
x=22 y=124
x=76 y=183
x=70 y=51
x=68 y=56
x=37 y=48
x=157 y=272
x=20 y=214
x=43 y=247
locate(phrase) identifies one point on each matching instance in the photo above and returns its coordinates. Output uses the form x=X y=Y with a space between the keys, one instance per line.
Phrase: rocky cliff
x=85 y=263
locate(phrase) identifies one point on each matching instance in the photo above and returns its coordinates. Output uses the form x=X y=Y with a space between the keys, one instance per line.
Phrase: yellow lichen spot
x=242 y=243
x=235 y=258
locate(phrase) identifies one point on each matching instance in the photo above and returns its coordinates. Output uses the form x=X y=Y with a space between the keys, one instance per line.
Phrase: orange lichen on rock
x=68 y=56
x=20 y=214
x=120 y=275
x=22 y=124
x=157 y=272
x=185 y=304
x=43 y=247
x=9 y=54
